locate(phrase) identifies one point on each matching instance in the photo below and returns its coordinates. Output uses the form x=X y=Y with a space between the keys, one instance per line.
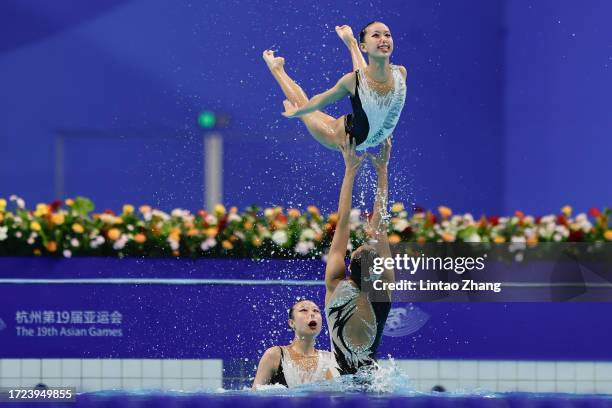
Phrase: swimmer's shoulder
x=348 y=82
x=272 y=356
x=403 y=71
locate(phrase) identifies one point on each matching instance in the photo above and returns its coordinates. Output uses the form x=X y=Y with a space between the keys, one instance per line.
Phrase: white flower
x=581 y=217
x=173 y=244
x=120 y=243
x=528 y=219
x=211 y=219
x=130 y=227
x=355 y=214
x=18 y=234
x=30 y=240
x=279 y=237
x=519 y=257
x=547 y=219
x=3 y=233
x=562 y=230
x=74 y=242
x=468 y=218
x=456 y=219
x=99 y=240
x=233 y=217
x=307 y=235
x=557 y=237
x=303 y=247
x=209 y=243
x=161 y=214
x=67 y=253
x=473 y=238
x=401 y=225
x=268 y=212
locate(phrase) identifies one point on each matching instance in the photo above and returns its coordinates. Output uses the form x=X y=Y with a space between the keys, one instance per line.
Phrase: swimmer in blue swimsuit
x=377 y=91
x=355 y=316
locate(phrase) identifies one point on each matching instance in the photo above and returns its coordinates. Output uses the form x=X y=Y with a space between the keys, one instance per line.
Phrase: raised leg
x=324 y=128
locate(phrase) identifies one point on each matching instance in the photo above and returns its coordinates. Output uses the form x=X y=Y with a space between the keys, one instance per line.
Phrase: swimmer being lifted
x=377 y=91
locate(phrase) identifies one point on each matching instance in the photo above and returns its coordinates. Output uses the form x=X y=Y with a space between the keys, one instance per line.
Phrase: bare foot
x=272 y=61
x=345 y=33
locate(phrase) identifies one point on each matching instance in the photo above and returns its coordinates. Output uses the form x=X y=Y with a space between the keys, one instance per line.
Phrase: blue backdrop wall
x=504 y=102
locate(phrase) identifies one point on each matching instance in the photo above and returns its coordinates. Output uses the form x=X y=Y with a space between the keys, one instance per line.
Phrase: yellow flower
x=397 y=207
x=211 y=232
x=2 y=204
x=256 y=241
x=175 y=234
x=227 y=245
x=128 y=209
x=1 y=217
x=51 y=246
x=57 y=219
x=114 y=234
x=144 y=209
x=445 y=212
x=333 y=218
x=41 y=209
x=220 y=210
x=567 y=211
x=293 y=212
x=192 y=231
x=69 y=202
x=313 y=210
x=78 y=228
x=140 y=238
x=394 y=239
x=234 y=210
x=499 y=239
x=37 y=252
x=248 y=225
x=35 y=226
x=608 y=235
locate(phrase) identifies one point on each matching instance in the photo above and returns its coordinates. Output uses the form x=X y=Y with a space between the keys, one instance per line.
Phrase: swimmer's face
x=377 y=40
x=306 y=319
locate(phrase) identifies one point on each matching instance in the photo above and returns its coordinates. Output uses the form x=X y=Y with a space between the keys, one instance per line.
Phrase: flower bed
x=71 y=228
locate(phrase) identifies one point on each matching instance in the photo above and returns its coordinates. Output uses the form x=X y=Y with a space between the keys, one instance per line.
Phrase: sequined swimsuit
x=374 y=116
x=342 y=306
x=290 y=374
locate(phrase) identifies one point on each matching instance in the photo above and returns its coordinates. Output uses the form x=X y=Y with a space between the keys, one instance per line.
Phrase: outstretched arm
x=320 y=101
x=346 y=34
x=335 y=269
x=378 y=224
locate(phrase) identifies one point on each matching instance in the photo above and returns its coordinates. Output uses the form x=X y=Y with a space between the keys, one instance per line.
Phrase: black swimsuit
x=279 y=375
x=356 y=124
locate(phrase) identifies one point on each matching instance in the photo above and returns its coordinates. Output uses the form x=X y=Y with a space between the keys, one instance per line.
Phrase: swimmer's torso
x=355 y=326
x=375 y=115
x=294 y=371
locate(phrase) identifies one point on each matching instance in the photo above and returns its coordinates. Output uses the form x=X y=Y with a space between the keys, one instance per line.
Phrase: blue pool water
x=236 y=399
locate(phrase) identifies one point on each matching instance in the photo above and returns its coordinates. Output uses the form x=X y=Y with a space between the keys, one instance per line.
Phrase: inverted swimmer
x=299 y=362
x=377 y=91
x=355 y=317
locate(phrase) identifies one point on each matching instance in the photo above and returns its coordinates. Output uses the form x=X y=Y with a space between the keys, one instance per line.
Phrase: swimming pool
x=331 y=399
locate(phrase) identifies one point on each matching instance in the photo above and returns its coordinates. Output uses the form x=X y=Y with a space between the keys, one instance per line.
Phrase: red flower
x=594 y=212
x=202 y=213
x=282 y=218
x=418 y=209
x=107 y=211
x=576 y=236
x=494 y=220
x=222 y=223
x=519 y=213
x=55 y=205
x=561 y=220
x=537 y=219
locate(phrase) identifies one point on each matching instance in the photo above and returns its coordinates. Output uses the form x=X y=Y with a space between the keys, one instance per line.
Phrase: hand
x=352 y=161
x=290 y=109
x=345 y=33
x=380 y=160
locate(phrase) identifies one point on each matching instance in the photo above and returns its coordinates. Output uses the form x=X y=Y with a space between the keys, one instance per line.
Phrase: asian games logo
x=403 y=321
